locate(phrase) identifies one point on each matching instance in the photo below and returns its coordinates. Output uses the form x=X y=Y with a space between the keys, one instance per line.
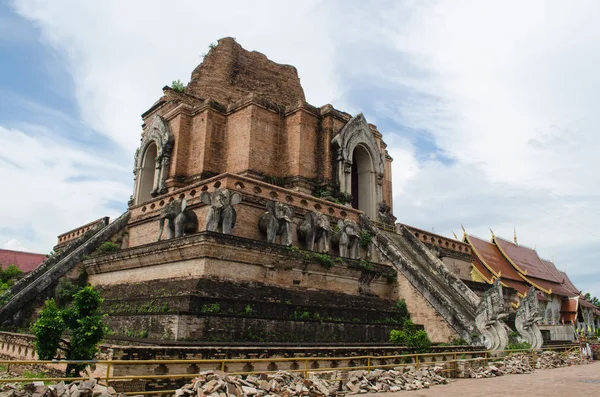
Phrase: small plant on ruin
x=365 y=238
x=212 y=308
x=365 y=265
x=402 y=309
x=82 y=319
x=321 y=191
x=324 y=259
x=108 y=247
x=212 y=46
x=247 y=310
x=177 y=86
x=391 y=277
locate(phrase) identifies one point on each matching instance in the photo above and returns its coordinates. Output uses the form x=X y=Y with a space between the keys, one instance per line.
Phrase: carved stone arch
x=159 y=134
x=357 y=134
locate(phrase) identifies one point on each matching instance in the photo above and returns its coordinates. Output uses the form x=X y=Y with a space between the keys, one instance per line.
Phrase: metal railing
x=449 y=362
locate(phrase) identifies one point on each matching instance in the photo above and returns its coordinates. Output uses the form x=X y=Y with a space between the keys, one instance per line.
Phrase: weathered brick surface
x=229 y=72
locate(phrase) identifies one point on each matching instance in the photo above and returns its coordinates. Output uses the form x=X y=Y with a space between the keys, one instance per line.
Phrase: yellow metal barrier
x=370 y=363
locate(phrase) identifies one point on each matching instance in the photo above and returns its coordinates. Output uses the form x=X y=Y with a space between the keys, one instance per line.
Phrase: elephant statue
x=314 y=228
x=347 y=238
x=221 y=214
x=277 y=221
x=181 y=220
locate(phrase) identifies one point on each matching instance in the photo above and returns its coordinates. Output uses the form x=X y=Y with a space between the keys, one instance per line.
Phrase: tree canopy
x=84 y=321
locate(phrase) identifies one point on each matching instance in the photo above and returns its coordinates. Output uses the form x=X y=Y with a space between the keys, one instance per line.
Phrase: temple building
x=256 y=216
x=479 y=262
x=25 y=261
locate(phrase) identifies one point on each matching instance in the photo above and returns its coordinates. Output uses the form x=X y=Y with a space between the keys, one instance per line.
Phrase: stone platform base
x=215 y=287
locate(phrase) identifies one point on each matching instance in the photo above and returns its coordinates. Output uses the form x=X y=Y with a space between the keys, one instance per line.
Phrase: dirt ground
x=578 y=380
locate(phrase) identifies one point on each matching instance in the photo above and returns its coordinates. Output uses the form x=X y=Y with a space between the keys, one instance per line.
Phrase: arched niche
x=148 y=173
x=152 y=161
x=362 y=181
x=356 y=148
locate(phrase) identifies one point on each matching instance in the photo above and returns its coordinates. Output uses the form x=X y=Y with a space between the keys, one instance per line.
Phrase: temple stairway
x=52 y=269
x=453 y=300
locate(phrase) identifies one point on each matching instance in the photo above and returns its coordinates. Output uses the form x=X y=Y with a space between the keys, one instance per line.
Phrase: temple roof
x=26 y=261
x=527 y=261
x=489 y=255
x=568 y=283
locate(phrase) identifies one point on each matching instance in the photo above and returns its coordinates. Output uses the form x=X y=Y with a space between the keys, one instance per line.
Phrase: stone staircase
x=452 y=299
x=52 y=269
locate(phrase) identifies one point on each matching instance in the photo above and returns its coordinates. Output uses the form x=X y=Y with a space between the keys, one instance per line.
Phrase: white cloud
x=14 y=244
x=53 y=188
x=121 y=54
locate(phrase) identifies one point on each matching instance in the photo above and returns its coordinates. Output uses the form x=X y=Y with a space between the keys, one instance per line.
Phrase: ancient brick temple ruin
x=256 y=216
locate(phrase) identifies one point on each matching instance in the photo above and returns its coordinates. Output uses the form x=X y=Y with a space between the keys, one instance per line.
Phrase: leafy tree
x=593 y=300
x=82 y=319
x=9 y=276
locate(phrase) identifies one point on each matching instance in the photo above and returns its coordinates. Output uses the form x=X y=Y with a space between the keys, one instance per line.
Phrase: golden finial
x=455 y=236
x=515 y=235
x=493 y=235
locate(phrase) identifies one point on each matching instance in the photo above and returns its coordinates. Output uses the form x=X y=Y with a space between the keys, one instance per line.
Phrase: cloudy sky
x=490 y=108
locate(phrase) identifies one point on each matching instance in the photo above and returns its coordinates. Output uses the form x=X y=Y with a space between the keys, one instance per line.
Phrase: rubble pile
x=88 y=388
x=219 y=384
x=516 y=364
x=286 y=384
x=551 y=359
x=401 y=378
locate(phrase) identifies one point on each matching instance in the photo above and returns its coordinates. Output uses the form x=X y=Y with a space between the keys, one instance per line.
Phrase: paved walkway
x=577 y=380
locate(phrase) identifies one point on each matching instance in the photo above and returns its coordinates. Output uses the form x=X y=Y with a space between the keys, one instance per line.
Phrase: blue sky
x=488 y=108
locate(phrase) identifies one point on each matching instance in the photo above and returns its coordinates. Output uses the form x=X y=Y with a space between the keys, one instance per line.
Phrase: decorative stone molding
x=358 y=132
x=157 y=132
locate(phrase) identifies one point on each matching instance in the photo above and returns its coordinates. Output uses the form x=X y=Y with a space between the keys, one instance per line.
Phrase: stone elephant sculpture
x=315 y=228
x=277 y=221
x=347 y=238
x=180 y=219
x=221 y=215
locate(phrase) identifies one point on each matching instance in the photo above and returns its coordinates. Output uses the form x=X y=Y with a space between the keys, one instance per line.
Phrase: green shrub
x=108 y=247
x=65 y=290
x=402 y=309
x=519 y=346
x=414 y=339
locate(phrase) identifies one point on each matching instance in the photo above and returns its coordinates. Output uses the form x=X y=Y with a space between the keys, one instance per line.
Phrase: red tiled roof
x=493 y=258
x=26 y=261
x=569 y=284
x=585 y=303
x=527 y=259
x=520 y=287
